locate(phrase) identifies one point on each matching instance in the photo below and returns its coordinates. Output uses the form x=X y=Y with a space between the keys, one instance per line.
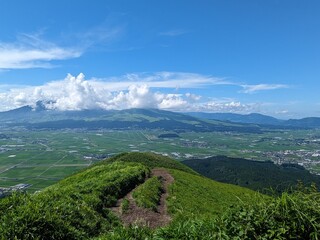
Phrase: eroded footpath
x=143 y=216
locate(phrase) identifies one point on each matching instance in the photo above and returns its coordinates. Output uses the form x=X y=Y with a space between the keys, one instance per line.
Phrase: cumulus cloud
x=172 y=102
x=77 y=93
x=32 y=52
x=129 y=91
x=137 y=96
x=261 y=87
x=193 y=97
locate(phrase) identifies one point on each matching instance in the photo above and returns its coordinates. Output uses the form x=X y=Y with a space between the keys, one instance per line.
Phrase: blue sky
x=213 y=56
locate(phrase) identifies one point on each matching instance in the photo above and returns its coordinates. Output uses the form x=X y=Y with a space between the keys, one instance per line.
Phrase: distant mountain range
x=40 y=117
x=256 y=118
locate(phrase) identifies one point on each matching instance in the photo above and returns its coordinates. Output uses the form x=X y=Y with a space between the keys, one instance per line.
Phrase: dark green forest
x=265 y=177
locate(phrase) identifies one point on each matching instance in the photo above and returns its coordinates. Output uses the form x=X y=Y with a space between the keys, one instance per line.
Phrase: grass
x=124 y=206
x=193 y=195
x=74 y=208
x=78 y=207
x=151 y=160
x=290 y=216
x=131 y=232
x=148 y=194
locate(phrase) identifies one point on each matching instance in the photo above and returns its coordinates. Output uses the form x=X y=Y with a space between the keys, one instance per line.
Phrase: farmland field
x=41 y=158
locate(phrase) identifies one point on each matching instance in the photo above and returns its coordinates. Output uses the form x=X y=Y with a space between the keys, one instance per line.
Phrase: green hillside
x=193 y=195
x=85 y=206
x=151 y=160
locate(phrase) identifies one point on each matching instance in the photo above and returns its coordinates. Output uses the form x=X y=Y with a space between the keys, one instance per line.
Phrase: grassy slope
x=193 y=195
x=77 y=207
x=151 y=160
x=190 y=196
x=74 y=208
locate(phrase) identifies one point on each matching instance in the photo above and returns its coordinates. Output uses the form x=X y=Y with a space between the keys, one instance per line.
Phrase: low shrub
x=148 y=194
x=124 y=206
x=74 y=208
x=290 y=216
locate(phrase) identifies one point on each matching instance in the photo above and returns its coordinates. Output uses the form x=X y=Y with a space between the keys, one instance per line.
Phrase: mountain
x=265 y=177
x=147 y=196
x=41 y=118
x=38 y=117
x=241 y=118
x=260 y=119
x=310 y=122
x=94 y=201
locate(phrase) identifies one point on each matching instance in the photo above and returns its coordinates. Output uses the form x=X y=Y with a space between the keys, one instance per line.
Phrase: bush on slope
x=74 y=208
x=148 y=194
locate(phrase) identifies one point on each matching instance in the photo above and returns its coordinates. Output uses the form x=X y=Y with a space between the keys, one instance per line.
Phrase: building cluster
x=19 y=187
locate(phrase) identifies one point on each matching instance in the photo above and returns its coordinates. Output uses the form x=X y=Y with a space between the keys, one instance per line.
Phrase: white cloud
x=230 y=106
x=137 y=96
x=171 y=102
x=193 y=97
x=174 y=80
x=32 y=52
x=130 y=91
x=261 y=87
x=282 y=112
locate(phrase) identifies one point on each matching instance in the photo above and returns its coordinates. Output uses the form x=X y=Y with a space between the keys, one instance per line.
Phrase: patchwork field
x=41 y=158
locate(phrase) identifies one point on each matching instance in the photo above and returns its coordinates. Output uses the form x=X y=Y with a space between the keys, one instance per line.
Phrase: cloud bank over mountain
x=129 y=91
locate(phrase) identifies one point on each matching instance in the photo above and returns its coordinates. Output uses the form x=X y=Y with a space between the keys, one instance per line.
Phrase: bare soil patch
x=146 y=217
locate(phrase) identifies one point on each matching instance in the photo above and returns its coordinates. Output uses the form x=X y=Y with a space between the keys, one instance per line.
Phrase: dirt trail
x=143 y=216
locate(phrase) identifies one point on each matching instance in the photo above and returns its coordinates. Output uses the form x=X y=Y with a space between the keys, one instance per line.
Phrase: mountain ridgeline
x=41 y=118
x=95 y=202
x=255 y=118
x=260 y=119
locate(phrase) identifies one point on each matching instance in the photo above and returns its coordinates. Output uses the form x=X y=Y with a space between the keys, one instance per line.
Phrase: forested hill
x=260 y=176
